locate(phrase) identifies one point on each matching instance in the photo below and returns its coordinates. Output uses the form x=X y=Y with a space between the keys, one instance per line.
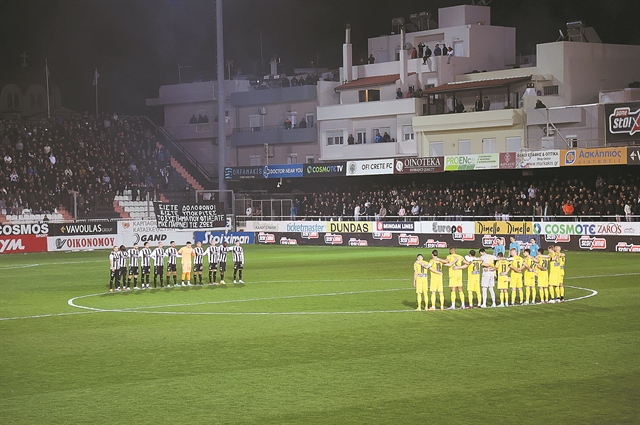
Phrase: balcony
x=276 y=95
x=273 y=135
x=371 y=109
x=196 y=131
x=471 y=120
x=370 y=151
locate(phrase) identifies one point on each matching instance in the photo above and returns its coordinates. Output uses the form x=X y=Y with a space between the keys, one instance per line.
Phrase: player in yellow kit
x=474 y=267
x=530 y=266
x=186 y=252
x=554 y=275
x=543 y=276
x=517 y=265
x=435 y=274
x=561 y=258
x=455 y=263
x=502 y=266
x=420 y=281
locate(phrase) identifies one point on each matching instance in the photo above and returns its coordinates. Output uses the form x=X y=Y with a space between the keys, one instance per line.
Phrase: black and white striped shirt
x=145 y=257
x=198 y=253
x=133 y=257
x=113 y=260
x=222 y=254
x=158 y=257
x=122 y=259
x=172 y=256
x=212 y=253
x=238 y=254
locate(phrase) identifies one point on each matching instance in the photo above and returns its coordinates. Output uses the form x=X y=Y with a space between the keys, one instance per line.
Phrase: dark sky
x=137 y=45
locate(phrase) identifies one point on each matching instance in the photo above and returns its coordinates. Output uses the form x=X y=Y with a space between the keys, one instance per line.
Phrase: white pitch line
x=139 y=309
x=24 y=266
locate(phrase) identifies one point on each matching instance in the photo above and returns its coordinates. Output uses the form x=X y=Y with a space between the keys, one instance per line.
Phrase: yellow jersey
x=456 y=261
x=474 y=270
x=435 y=266
x=518 y=263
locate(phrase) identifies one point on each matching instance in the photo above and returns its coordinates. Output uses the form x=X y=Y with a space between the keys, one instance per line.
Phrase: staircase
x=185 y=174
x=65 y=214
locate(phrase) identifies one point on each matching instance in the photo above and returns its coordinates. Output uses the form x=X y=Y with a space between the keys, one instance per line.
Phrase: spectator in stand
x=421 y=49
x=350 y=139
x=399 y=94
x=414 y=53
x=193 y=119
x=437 y=51
x=459 y=106
x=205 y=119
x=478 y=105
x=427 y=55
x=371 y=59
x=287 y=124
x=486 y=103
x=627 y=211
x=303 y=123
x=445 y=51
x=568 y=208
x=449 y=54
x=378 y=138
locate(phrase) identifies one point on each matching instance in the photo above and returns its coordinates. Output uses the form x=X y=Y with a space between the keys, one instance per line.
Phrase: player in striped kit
x=122 y=268
x=198 y=254
x=133 y=255
x=158 y=263
x=113 y=264
x=172 y=263
x=212 y=253
x=238 y=261
x=222 y=260
x=145 y=263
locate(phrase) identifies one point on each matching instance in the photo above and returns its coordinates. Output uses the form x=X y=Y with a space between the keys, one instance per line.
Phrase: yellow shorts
x=543 y=282
x=436 y=285
x=503 y=282
x=516 y=281
x=455 y=281
x=422 y=285
x=474 y=285
x=530 y=279
x=561 y=279
x=554 y=279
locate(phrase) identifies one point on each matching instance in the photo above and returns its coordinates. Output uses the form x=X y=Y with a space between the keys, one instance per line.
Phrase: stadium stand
x=100 y=161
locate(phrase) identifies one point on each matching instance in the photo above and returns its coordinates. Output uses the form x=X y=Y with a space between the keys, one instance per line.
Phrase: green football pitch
x=315 y=335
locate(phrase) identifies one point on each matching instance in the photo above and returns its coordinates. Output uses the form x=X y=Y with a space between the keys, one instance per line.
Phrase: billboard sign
x=82 y=243
x=188 y=216
x=538 y=159
x=219 y=237
x=84 y=228
x=429 y=164
x=243 y=173
x=504 y=227
x=622 y=122
x=19 y=244
x=370 y=167
x=484 y=161
x=333 y=169
x=593 y=156
x=282 y=171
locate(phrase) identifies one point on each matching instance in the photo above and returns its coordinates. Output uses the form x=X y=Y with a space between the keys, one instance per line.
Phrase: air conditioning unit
x=262 y=110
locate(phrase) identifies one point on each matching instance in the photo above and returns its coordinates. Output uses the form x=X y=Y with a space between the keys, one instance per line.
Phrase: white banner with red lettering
x=82 y=243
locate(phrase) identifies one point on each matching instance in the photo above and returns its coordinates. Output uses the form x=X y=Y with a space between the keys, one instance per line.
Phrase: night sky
x=137 y=45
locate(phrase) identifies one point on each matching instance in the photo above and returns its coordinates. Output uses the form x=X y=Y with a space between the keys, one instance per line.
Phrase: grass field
x=316 y=335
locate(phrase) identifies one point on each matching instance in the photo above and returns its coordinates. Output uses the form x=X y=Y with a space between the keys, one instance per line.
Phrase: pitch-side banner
x=600 y=228
x=219 y=237
x=538 y=159
x=594 y=156
x=141 y=231
x=19 y=244
x=623 y=122
x=188 y=216
x=83 y=228
x=504 y=228
x=429 y=164
x=82 y=243
x=370 y=167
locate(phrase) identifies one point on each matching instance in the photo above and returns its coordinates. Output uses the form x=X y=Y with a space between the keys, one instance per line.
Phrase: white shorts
x=488 y=280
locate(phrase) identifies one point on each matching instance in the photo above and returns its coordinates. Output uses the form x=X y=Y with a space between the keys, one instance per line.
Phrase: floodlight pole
x=220 y=96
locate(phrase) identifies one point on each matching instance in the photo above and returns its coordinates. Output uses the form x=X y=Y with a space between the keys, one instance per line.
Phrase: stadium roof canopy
x=475 y=85
x=378 y=80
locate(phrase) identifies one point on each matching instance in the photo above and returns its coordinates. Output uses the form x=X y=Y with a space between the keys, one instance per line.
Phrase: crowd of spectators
x=43 y=162
x=614 y=199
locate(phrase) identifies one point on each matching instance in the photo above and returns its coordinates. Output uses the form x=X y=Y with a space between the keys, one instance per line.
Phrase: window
x=464 y=147
x=292 y=158
x=9 y=101
x=254 y=160
x=407 y=133
x=32 y=100
x=550 y=90
x=310 y=120
x=310 y=159
x=361 y=137
x=436 y=149
x=16 y=101
x=335 y=138
x=489 y=146
x=514 y=144
x=370 y=95
x=254 y=122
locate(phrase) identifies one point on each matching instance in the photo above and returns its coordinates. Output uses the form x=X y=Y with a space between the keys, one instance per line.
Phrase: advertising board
x=429 y=164
x=219 y=237
x=504 y=228
x=538 y=159
x=82 y=243
x=84 y=228
x=485 y=161
x=141 y=231
x=19 y=244
x=189 y=216
x=622 y=122
x=593 y=156
x=332 y=169
x=243 y=173
x=7 y=229
x=282 y=171
x=600 y=228
x=370 y=167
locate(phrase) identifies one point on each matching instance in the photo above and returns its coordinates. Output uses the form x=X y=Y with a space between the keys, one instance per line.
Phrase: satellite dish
x=562 y=37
